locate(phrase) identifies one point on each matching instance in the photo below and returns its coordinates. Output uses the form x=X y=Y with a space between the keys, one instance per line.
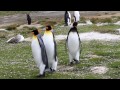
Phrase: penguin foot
x=76 y=61
x=41 y=75
x=52 y=70
x=71 y=63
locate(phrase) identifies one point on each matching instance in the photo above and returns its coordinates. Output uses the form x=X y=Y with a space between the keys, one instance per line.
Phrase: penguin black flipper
x=80 y=45
x=66 y=16
x=55 y=50
x=43 y=53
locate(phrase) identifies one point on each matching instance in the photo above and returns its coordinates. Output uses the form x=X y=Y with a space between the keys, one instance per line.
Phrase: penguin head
x=35 y=32
x=75 y=24
x=48 y=28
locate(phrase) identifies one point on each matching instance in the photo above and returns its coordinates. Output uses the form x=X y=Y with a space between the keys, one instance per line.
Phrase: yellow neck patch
x=48 y=32
x=34 y=37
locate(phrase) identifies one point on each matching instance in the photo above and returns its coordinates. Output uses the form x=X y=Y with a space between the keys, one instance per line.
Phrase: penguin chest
x=49 y=45
x=69 y=19
x=73 y=42
x=36 y=51
x=77 y=16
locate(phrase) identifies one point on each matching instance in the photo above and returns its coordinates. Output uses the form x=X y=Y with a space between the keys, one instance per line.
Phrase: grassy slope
x=17 y=62
x=6 y=13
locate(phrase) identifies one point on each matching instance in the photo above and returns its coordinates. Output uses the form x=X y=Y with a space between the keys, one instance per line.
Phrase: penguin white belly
x=49 y=45
x=73 y=43
x=69 y=19
x=20 y=38
x=77 y=15
x=36 y=52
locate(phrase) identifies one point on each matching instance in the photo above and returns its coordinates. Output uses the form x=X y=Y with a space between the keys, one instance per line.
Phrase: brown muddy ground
x=36 y=16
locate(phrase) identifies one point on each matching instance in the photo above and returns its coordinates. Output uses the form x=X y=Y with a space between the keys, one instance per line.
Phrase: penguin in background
x=51 y=48
x=67 y=18
x=76 y=16
x=28 y=19
x=39 y=53
x=16 y=39
x=73 y=44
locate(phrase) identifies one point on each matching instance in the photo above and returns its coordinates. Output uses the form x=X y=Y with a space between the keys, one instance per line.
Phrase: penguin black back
x=28 y=19
x=66 y=16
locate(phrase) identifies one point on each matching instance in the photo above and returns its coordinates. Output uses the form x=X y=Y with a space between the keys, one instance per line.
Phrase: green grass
x=81 y=29
x=97 y=20
x=17 y=61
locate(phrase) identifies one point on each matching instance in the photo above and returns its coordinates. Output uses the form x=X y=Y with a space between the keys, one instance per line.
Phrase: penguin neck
x=34 y=37
x=73 y=29
x=48 y=32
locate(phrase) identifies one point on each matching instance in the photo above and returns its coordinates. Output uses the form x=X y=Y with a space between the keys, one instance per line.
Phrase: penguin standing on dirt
x=76 y=15
x=73 y=44
x=28 y=19
x=51 y=50
x=67 y=18
x=39 y=52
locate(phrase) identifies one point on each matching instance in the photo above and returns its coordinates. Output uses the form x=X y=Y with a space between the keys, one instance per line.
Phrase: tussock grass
x=12 y=27
x=17 y=61
x=97 y=20
x=3 y=34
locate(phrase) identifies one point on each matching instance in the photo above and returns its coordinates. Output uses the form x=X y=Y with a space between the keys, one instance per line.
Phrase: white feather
x=73 y=44
x=69 y=20
x=36 y=52
x=77 y=15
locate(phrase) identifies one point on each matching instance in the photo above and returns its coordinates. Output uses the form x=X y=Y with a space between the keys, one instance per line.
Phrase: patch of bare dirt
x=99 y=69
x=21 y=18
x=63 y=68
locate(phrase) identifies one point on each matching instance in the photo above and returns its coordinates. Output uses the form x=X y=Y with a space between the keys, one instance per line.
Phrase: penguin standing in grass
x=67 y=18
x=76 y=15
x=73 y=44
x=51 y=50
x=39 y=52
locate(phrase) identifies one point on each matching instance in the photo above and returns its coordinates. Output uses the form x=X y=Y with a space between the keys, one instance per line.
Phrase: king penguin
x=76 y=15
x=51 y=48
x=28 y=19
x=16 y=39
x=67 y=18
x=39 y=52
x=73 y=44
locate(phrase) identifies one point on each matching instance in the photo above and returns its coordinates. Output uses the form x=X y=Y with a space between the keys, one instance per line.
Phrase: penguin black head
x=35 y=32
x=65 y=11
x=48 y=27
x=27 y=14
x=75 y=24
